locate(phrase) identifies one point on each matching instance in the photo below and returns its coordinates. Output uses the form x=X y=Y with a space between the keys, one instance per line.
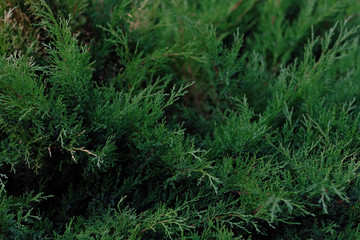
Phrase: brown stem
x=236 y=6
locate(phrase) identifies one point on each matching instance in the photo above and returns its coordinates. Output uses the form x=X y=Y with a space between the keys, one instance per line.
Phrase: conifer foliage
x=179 y=119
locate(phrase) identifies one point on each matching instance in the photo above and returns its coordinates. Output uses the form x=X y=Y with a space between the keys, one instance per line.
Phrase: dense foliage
x=179 y=119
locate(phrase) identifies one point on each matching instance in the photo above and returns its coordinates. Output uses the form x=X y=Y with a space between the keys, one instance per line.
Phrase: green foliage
x=17 y=218
x=179 y=119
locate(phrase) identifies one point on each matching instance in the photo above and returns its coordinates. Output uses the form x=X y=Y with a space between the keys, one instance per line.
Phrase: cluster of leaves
x=179 y=119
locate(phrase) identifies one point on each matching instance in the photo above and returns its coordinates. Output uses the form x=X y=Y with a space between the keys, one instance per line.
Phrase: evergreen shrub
x=179 y=119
